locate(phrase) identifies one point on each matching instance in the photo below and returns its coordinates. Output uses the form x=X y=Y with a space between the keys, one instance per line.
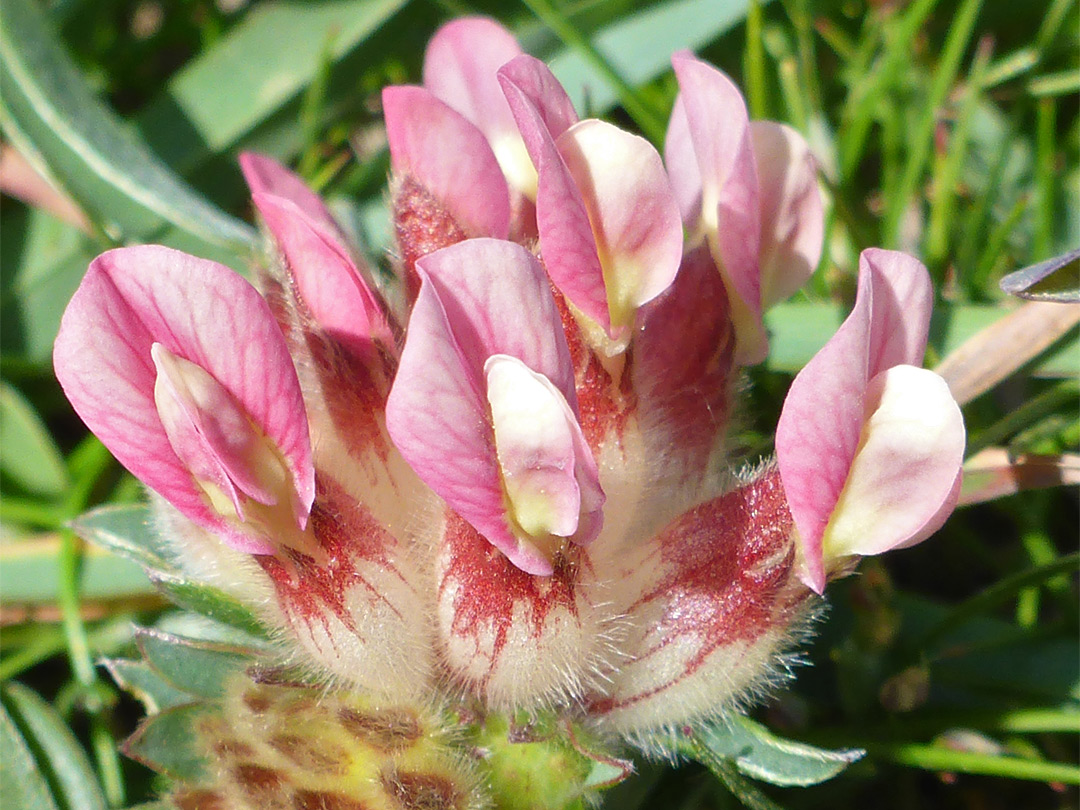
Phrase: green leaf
x=167 y=743
x=30 y=456
x=639 y=47
x=104 y=167
x=198 y=668
x=1056 y=279
x=266 y=61
x=31 y=574
x=42 y=261
x=139 y=679
x=209 y=601
x=127 y=530
x=21 y=781
x=758 y=753
x=60 y=760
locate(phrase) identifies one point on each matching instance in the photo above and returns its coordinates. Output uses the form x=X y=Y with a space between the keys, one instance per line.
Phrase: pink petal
x=460 y=66
x=720 y=133
x=326 y=279
x=210 y=433
x=479 y=298
x=904 y=479
x=450 y=157
x=528 y=79
x=792 y=219
x=204 y=313
x=682 y=166
x=633 y=212
x=821 y=421
x=264 y=175
x=566 y=236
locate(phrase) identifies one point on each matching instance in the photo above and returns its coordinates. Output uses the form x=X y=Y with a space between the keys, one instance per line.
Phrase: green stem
x=1046 y=116
x=1001 y=591
x=651 y=124
x=754 y=63
x=1061 y=395
x=922 y=139
x=937 y=758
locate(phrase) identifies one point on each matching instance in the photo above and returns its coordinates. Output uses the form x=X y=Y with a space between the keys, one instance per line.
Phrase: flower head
x=500 y=476
x=869 y=444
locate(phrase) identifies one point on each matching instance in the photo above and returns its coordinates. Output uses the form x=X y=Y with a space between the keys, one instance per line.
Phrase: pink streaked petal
x=900 y=317
x=264 y=175
x=326 y=278
x=714 y=600
x=450 y=157
x=516 y=640
x=479 y=298
x=567 y=243
x=818 y=433
x=203 y=312
x=499 y=302
x=460 y=66
x=684 y=375
x=682 y=167
x=535 y=447
x=528 y=79
x=906 y=467
x=437 y=418
x=633 y=212
x=792 y=219
x=720 y=132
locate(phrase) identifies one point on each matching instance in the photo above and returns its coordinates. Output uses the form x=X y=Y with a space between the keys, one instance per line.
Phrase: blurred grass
x=949 y=129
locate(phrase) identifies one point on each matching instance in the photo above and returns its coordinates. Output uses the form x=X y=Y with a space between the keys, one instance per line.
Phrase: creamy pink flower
x=178 y=366
x=484 y=407
x=609 y=227
x=869 y=444
x=313 y=250
x=750 y=190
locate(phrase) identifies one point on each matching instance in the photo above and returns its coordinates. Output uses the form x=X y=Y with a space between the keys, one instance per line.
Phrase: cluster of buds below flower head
x=501 y=474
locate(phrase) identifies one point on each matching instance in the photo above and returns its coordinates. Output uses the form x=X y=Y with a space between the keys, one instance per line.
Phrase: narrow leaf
x=150 y=688
x=101 y=164
x=1056 y=280
x=995 y=473
x=21 y=781
x=198 y=668
x=126 y=530
x=758 y=753
x=167 y=743
x=30 y=456
x=208 y=601
x=62 y=760
x=267 y=60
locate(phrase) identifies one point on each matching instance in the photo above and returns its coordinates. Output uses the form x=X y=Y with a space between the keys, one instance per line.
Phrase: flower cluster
x=501 y=473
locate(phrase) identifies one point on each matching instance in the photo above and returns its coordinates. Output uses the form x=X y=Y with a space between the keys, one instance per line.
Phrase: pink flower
x=608 y=221
x=750 y=190
x=869 y=444
x=484 y=406
x=178 y=366
x=501 y=473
